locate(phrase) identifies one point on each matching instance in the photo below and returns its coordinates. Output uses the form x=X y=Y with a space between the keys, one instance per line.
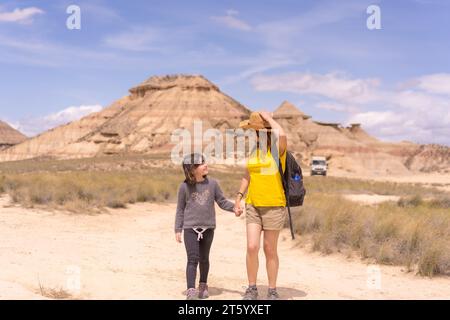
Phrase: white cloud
x=337 y=107
x=34 y=126
x=231 y=21
x=417 y=111
x=135 y=39
x=262 y=63
x=336 y=86
x=287 y=33
x=399 y=126
x=435 y=83
x=417 y=101
x=410 y=115
x=72 y=113
x=374 y=119
x=106 y=13
x=31 y=51
x=20 y=15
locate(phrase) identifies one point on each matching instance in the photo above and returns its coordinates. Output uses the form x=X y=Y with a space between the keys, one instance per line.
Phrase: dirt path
x=370 y=198
x=131 y=254
x=436 y=180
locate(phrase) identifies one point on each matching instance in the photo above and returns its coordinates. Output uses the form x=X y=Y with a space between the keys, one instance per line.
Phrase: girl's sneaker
x=203 y=291
x=191 y=294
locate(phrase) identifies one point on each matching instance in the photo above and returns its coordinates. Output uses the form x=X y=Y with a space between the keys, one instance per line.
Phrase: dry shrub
x=417 y=237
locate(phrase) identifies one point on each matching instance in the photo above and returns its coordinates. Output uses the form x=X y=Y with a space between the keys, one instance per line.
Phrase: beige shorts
x=270 y=218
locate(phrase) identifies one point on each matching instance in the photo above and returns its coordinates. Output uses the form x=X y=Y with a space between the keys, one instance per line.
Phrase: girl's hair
x=190 y=163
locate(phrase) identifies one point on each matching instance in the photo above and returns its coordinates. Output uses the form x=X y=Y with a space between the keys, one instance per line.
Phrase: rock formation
x=143 y=122
x=9 y=136
x=140 y=122
x=351 y=150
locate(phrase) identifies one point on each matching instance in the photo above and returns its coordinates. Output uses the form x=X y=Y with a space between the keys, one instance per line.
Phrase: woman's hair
x=268 y=141
x=190 y=163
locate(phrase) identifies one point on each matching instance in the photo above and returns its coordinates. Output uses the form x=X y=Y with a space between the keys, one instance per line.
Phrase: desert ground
x=437 y=180
x=132 y=254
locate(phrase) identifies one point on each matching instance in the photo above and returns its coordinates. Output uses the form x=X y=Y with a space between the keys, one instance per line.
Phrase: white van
x=319 y=165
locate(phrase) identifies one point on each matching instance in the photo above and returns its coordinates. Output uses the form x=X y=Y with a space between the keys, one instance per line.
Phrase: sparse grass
x=441 y=201
x=318 y=184
x=55 y=293
x=2 y=183
x=416 y=236
x=410 y=201
x=82 y=191
x=414 y=231
x=127 y=162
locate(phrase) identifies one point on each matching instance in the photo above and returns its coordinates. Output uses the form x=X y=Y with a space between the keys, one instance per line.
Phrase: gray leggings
x=197 y=254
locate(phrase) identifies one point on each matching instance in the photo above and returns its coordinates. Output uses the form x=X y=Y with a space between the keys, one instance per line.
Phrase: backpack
x=294 y=189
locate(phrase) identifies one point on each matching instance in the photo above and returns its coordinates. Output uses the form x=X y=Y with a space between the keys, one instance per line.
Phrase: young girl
x=196 y=216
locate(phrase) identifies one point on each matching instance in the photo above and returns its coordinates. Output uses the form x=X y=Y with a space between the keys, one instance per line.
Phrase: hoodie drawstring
x=199 y=233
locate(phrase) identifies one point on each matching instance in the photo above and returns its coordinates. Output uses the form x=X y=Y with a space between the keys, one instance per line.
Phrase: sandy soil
x=370 y=198
x=439 y=181
x=131 y=254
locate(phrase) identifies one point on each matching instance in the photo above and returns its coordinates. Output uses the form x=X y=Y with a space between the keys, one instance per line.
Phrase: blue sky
x=319 y=55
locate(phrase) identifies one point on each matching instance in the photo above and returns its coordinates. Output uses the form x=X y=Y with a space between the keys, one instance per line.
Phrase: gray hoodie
x=195 y=206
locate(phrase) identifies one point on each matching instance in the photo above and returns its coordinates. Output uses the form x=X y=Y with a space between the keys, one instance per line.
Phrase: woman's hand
x=178 y=237
x=237 y=208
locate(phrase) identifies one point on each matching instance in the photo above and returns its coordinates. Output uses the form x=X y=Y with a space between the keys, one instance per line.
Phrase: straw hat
x=255 y=122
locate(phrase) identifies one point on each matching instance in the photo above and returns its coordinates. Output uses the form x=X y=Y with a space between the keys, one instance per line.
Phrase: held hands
x=237 y=209
x=178 y=237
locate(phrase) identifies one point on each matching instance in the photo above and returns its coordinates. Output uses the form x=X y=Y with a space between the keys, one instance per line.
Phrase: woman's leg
x=271 y=253
x=253 y=243
x=205 y=246
x=193 y=256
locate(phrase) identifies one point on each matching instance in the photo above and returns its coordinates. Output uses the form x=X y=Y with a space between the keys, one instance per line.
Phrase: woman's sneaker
x=251 y=294
x=191 y=294
x=203 y=290
x=272 y=294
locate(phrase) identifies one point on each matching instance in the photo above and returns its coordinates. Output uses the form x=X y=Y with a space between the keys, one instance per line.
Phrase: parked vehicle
x=319 y=166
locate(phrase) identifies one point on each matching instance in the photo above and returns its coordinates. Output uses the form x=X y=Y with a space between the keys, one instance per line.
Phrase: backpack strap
x=285 y=180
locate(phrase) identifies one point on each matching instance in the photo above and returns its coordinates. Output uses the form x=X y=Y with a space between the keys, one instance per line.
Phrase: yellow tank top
x=265 y=188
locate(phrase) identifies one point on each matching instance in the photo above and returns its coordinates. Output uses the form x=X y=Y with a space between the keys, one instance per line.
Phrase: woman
x=265 y=202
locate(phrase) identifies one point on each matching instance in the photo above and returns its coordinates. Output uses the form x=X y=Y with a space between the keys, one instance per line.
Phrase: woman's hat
x=255 y=122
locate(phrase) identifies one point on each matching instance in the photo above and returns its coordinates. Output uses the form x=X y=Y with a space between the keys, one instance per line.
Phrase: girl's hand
x=237 y=209
x=178 y=237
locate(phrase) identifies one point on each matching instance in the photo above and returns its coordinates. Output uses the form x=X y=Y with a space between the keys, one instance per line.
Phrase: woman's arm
x=243 y=188
x=277 y=129
x=244 y=185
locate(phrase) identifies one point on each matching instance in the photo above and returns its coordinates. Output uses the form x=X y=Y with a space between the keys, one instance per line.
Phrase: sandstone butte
x=143 y=121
